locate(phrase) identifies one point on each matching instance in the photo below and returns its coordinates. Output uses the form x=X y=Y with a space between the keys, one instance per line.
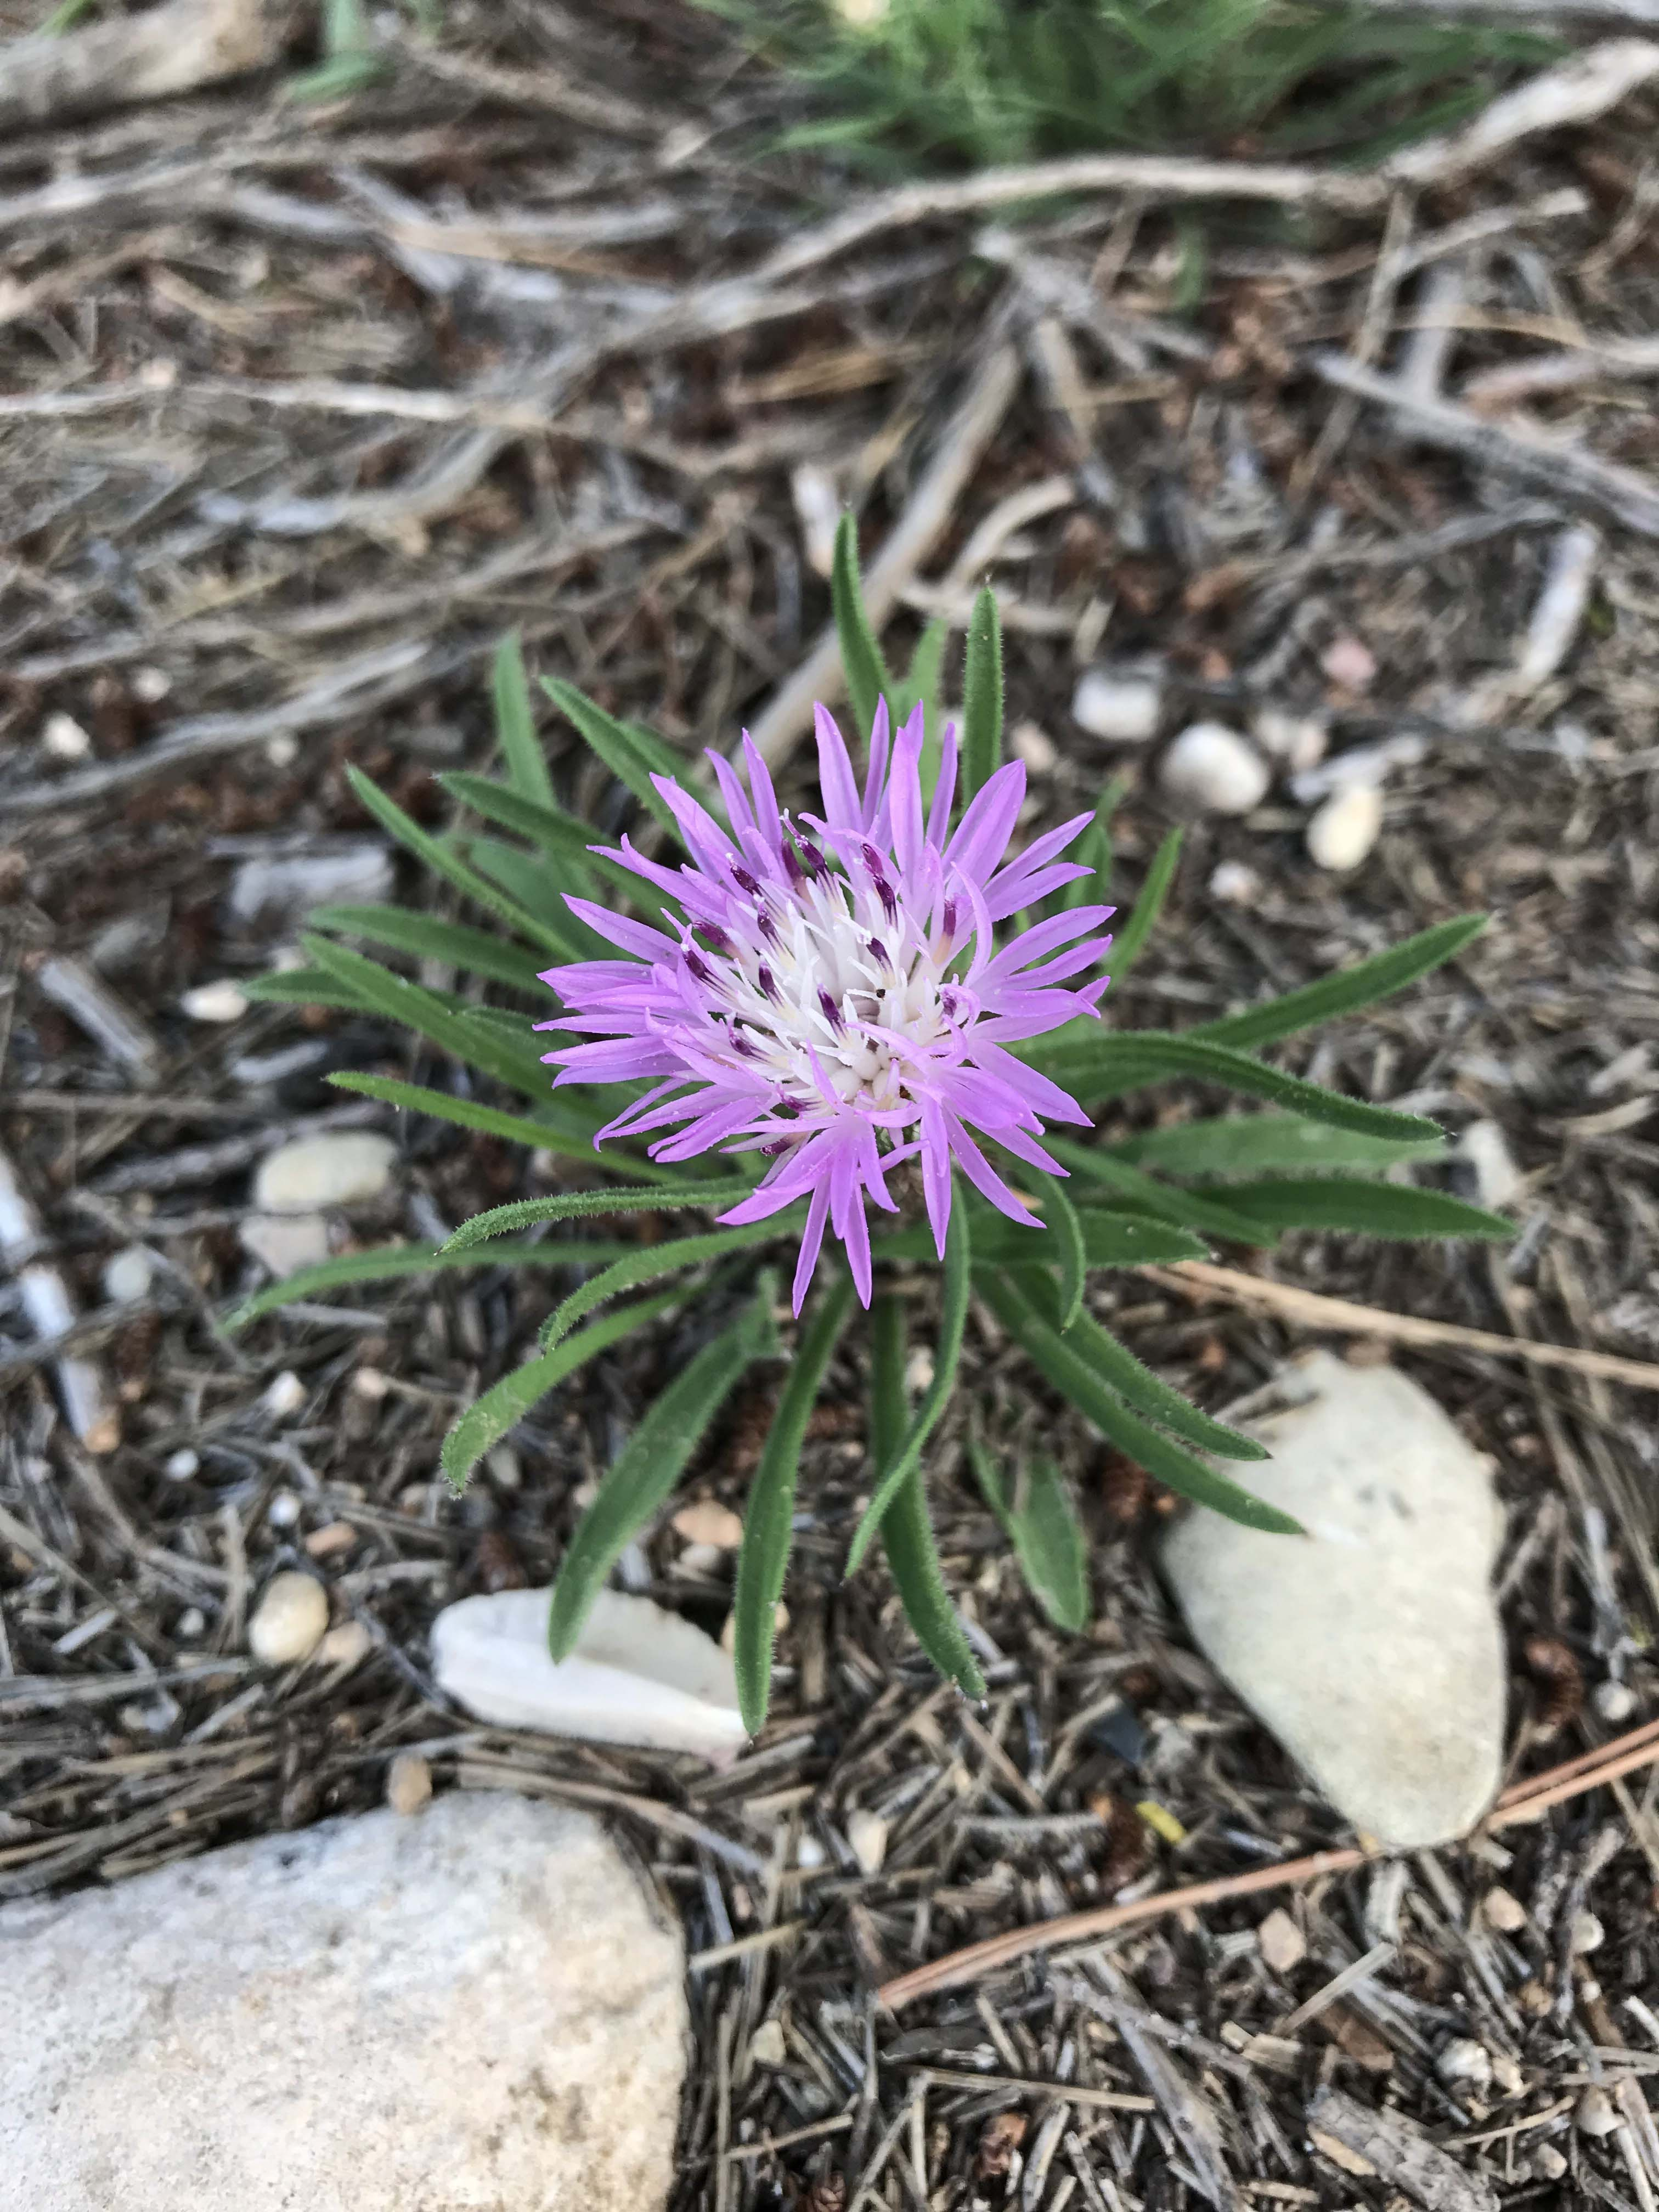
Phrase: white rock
x=289 y=1621
x=1614 y=1703
x=817 y=510
x=1503 y=1911
x=182 y=1466
x=282 y=1243
x=128 y=1275
x=275 y=891
x=1211 y=768
x=1282 y=1943
x=1124 y=709
x=1350 y=662
x=151 y=685
x=214 y=1002
x=1235 y=884
x=705 y=1521
x=700 y=1559
x=284 y=1509
x=348 y=1646
x=1596 y=2115
x=1497 y=1180
x=475 y=2009
x=1298 y=742
x=1546 y=2163
x=1345 y=827
x=340 y=1167
x=1033 y=744
x=638 y=1674
x=65 y=738
x=866 y=1837
x=283 y=1395
x=408 y=1783
x=1465 y=2064
x=766 y=2046
x=1588 y=1934
x=1370 y=1646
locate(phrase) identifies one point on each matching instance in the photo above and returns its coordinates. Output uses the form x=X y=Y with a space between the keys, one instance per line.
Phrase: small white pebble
x=284 y=1509
x=809 y=1854
x=705 y=1521
x=1282 y=1944
x=504 y=1468
x=64 y=739
x=1034 y=747
x=817 y=510
x=1596 y=2115
x=866 y=1837
x=1497 y=1180
x=290 y=1620
x=191 y=1624
x=1587 y=1935
x=1507 y=2077
x=1614 y=1703
x=1351 y=663
x=766 y=2044
x=150 y=685
x=369 y=1383
x=1298 y=741
x=1502 y=1912
x=1212 y=768
x=181 y=1466
x=862 y=14
x=284 y=1395
x=698 y=1559
x=282 y=1243
x=1344 y=829
x=214 y=1002
x=1234 y=883
x=919 y=1370
x=408 y=1782
x=128 y=1276
x=282 y=750
x=339 y=1167
x=1126 y=710
x=348 y=1646
x=1463 y=2063
x=1548 y=2164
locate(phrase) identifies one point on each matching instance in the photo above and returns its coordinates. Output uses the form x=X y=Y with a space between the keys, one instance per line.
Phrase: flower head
x=833 y=998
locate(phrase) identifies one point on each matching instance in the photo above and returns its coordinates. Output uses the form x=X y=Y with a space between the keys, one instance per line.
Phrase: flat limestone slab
x=1371 y=1648
x=470 y=2010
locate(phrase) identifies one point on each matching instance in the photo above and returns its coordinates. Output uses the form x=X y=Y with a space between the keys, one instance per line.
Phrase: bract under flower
x=834 y=996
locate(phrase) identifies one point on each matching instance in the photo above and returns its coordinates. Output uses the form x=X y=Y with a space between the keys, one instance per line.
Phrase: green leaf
x=867 y=680
x=565 y=842
x=906 y=1537
x=1222 y=1145
x=1112 y=1362
x=1366 y=1208
x=981 y=703
x=769 y=1517
x=427 y=939
x=651 y=1462
x=1043 y=1526
x=1349 y=989
x=531 y=884
x=389 y=1263
x=1110 y=1240
x=617 y=746
x=515 y=724
x=1147 y=1195
x=1093 y=850
x=584 y=1205
x=1127 y=945
x=425 y=1012
x=953 y=1315
x=648 y=1265
x=569 y=1134
x=304 y=986
x=1066 y=1229
x=489 y=1419
x=1108 y=1064
x=453 y=870
x=1148 y=1447
x=922 y=683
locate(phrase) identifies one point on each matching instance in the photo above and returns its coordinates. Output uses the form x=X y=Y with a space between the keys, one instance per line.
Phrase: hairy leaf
x=442 y=862
x=428 y=938
x=1043 y=1526
x=389 y=1263
x=425 y=1012
x=568 y=1134
x=515 y=724
x=648 y=1265
x=981 y=702
x=582 y=1204
x=616 y=745
x=1349 y=989
x=1147 y=1195
x=1365 y=1208
x=1128 y=942
x=868 y=677
x=1224 y=1147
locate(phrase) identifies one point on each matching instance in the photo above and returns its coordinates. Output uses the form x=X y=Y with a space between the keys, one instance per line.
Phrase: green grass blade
x=907 y=1538
x=953 y=1316
x=515 y=724
x=1349 y=989
x=428 y=938
x=416 y=1008
x=981 y=704
x=489 y=1419
x=1043 y=1526
x=648 y=1265
x=1220 y=1146
x=650 y=1463
x=1127 y=945
x=769 y=1516
x=867 y=678
x=442 y=862
x=1366 y=1209
x=390 y=1263
x=1147 y=1195
x=1106 y=1064
x=616 y=745
x=585 y=1205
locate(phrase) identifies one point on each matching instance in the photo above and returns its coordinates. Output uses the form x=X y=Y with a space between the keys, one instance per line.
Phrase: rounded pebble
x=283 y=1510
x=1587 y=1935
x=214 y=1002
x=1296 y=740
x=1548 y=2163
x=1344 y=829
x=128 y=1276
x=1614 y=1703
x=1033 y=744
x=284 y=1394
x=290 y=1620
x=65 y=738
x=1503 y=1912
x=191 y=1624
x=408 y=1782
x=1212 y=768
x=1596 y=2115
x=766 y=2046
x=341 y=1167
x=1463 y=2063
x=1234 y=883
x=705 y=1521
x=1124 y=709
x=867 y=1835
x=1497 y=1180
x=348 y=1646
x=182 y=1466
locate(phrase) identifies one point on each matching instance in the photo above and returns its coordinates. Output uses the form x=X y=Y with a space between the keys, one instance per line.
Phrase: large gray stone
x=472 y=2008
x=1371 y=1648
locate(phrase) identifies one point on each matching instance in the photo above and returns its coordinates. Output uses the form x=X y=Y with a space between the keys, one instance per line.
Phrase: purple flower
x=841 y=1022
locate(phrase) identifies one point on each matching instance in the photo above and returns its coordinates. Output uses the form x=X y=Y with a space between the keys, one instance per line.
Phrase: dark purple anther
x=889 y=899
x=744 y=880
x=766 y=927
x=832 y=1012
x=812 y=860
x=793 y=867
x=879 y=951
x=743 y=1046
x=948 y=923
x=877 y=865
x=715 y=937
x=766 y=982
x=698 y=967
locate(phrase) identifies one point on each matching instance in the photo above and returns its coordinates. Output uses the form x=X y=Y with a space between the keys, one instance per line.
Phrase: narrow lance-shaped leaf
x=1070 y=1252
x=981 y=703
x=906 y=1537
x=867 y=678
x=1219 y=1147
x=390 y=1263
x=564 y=842
x=953 y=1315
x=430 y=1015
x=616 y=745
x=651 y=1462
x=1365 y=1208
x=1129 y=942
x=1093 y=850
x=1148 y=1195
x=1349 y=989
x=649 y=1265
x=515 y=724
x=582 y=1204
x=1042 y=1524
x=474 y=950
x=1110 y=1240
x=489 y=1419
x=768 y=1515
x=568 y=1134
